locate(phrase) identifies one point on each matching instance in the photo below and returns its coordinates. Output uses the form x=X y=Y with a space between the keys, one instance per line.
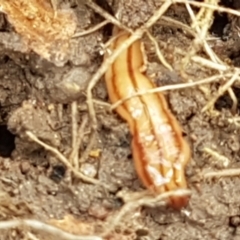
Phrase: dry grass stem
x=106 y=15
x=76 y=147
x=201 y=26
x=171 y=87
x=74 y=114
x=222 y=90
x=101 y=103
x=91 y=141
x=222 y=160
x=210 y=64
x=234 y=99
x=65 y=161
x=91 y=30
x=158 y=51
x=209 y=6
x=235 y=120
x=167 y=21
x=223 y=173
x=44 y=228
x=197 y=59
x=144 y=200
x=32 y=236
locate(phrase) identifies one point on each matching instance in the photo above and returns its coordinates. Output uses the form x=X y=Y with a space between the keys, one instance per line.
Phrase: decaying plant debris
x=46 y=31
x=73 y=167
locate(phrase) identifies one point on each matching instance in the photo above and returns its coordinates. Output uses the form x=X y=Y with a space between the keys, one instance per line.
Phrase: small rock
x=25 y=167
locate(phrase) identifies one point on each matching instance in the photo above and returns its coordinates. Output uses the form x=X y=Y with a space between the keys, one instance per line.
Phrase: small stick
x=219 y=157
x=74 y=113
x=46 y=228
x=149 y=201
x=210 y=64
x=223 y=173
x=205 y=62
x=210 y=6
x=234 y=99
x=91 y=30
x=91 y=141
x=235 y=121
x=65 y=161
x=167 y=21
x=158 y=51
x=75 y=151
x=222 y=90
x=54 y=4
x=170 y=87
x=32 y=236
x=200 y=38
x=106 y=15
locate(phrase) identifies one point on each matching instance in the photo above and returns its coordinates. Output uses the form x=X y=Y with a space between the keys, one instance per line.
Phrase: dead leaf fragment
x=46 y=32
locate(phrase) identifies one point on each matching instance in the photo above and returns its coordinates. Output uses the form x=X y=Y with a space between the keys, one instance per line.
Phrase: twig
x=46 y=228
x=210 y=6
x=171 y=87
x=91 y=30
x=106 y=15
x=54 y=4
x=222 y=90
x=31 y=236
x=235 y=120
x=219 y=157
x=222 y=173
x=101 y=103
x=234 y=99
x=157 y=14
x=60 y=112
x=158 y=51
x=200 y=39
x=74 y=113
x=80 y=133
x=65 y=161
x=167 y=21
x=205 y=62
x=91 y=141
x=148 y=201
x=210 y=64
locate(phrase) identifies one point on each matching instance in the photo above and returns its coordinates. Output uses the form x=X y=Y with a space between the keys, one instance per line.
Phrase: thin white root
x=65 y=161
x=223 y=173
x=46 y=228
x=147 y=200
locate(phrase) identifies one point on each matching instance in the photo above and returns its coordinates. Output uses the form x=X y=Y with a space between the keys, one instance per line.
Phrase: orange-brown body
x=159 y=150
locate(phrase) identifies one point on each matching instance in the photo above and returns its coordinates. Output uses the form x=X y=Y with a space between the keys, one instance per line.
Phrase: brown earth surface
x=44 y=94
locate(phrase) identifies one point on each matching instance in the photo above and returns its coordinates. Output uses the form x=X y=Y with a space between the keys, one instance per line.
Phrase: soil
x=36 y=95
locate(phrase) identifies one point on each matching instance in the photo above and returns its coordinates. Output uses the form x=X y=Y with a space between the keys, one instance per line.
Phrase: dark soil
x=35 y=96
